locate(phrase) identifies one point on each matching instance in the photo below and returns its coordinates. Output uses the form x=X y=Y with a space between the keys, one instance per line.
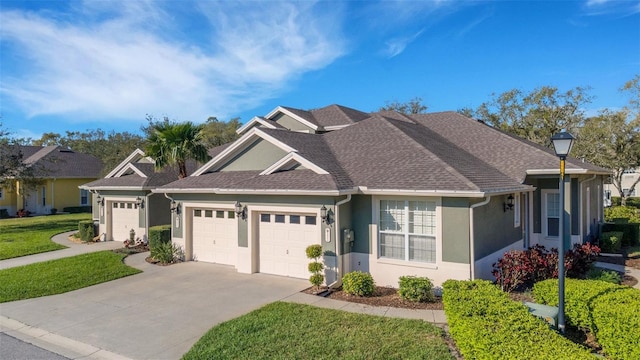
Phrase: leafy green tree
x=537 y=115
x=413 y=106
x=216 y=132
x=175 y=143
x=12 y=165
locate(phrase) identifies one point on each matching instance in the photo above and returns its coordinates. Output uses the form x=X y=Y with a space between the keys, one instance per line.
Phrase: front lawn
x=32 y=235
x=62 y=275
x=294 y=331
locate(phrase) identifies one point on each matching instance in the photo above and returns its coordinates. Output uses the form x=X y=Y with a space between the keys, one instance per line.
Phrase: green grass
x=32 y=235
x=62 y=275
x=633 y=251
x=295 y=331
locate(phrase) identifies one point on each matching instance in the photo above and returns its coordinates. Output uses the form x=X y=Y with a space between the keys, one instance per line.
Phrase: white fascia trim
x=137 y=154
x=280 y=109
x=445 y=193
x=130 y=166
x=250 y=123
x=238 y=145
x=336 y=127
x=133 y=188
x=568 y=171
x=251 y=191
x=291 y=158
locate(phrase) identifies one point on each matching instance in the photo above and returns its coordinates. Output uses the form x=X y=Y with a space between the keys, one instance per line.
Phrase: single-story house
x=123 y=200
x=58 y=171
x=439 y=195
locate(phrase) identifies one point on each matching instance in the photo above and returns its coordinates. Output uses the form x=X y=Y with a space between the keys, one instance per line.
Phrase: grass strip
x=62 y=275
x=32 y=235
x=294 y=331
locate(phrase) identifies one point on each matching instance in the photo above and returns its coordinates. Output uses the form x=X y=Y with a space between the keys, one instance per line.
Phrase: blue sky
x=78 y=65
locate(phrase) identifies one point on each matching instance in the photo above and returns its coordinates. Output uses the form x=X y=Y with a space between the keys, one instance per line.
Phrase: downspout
x=581 y=214
x=53 y=194
x=338 y=281
x=527 y=222
x=472 y=252
x=146 y=217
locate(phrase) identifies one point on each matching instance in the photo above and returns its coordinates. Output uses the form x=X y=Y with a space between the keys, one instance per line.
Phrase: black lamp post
x=562 y=143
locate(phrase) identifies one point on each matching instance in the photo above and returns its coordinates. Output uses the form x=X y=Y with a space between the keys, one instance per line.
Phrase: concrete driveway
x=158 y=314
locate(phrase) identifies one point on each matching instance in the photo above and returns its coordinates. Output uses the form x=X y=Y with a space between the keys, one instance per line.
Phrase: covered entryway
x=215 y=234
x=124 y=217
x=283 y=239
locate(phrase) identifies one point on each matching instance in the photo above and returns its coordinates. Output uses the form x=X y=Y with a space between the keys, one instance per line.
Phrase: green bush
x=611 y=312
x=77 y=209
x=611 y=242
x=85 y=230
x=314 y=251
x=417 y=289
x=358 y=283
x=315 y=267
x=621 y=212
x=316 y=279
x=4 y=213
x=631 y=201
x=609 y=276
x=486 y=324
x=158 y=235
x=168 y=253
x=631 y=232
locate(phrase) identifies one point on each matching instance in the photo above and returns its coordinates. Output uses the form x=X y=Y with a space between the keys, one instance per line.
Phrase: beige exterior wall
x=627 y=180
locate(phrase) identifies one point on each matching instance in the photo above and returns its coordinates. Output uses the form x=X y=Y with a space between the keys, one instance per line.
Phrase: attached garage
x=283 y=239
x=215 y=234
x=124 y=217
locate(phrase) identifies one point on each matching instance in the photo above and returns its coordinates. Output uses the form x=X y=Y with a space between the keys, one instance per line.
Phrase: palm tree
x=175 y=143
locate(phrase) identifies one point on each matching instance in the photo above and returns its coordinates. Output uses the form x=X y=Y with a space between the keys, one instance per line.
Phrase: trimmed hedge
x=611 y=312
x=4 y=214
x=158 y=235
x=85 y=230
x=486 y=324
x=417 y=289
x=631 y=232
x=611 y=242
x=358 y=283
x=77 y=209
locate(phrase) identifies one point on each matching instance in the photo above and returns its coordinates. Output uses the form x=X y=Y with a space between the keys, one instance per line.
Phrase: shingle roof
x=444 y=151
x=332 y=115
x=60 y=162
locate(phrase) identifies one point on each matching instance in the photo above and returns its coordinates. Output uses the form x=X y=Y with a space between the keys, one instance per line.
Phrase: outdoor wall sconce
x=139 y=201
x=509 y=204
x=175 y=207
x=324 y=214
x=100 y=200
x=241 y=211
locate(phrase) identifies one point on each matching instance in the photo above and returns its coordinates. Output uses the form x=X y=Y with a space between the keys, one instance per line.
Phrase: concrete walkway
x=623 y=269
x=71 y=250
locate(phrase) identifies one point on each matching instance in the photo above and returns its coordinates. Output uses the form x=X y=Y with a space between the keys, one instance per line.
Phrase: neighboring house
x=629 y=177
x=123 y=200
x=437 y=195
x=58 y=172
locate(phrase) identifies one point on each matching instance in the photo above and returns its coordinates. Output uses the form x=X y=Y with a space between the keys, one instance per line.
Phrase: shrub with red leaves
x=519 y=269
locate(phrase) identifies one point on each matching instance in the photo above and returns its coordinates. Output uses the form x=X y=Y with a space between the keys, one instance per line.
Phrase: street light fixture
x=562 y=143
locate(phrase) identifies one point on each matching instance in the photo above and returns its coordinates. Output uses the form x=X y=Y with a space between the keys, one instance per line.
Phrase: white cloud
x=396 y=46
x=120 y=61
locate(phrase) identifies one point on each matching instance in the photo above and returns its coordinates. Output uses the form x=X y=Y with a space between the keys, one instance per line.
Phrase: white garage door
x=283 y=242
x=215 y=234
x=124 y=217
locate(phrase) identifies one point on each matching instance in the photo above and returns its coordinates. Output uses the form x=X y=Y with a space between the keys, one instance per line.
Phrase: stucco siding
x=455 y=230
x=361 y=223
x=257 y=156
x=292 y=124
x=493 y=227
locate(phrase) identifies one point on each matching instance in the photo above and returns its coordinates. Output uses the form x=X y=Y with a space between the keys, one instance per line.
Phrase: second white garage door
x=283 y=241
x=124 y=217
x=215 y=234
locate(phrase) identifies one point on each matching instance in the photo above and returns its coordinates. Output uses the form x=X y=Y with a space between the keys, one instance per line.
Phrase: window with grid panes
x=407 y=230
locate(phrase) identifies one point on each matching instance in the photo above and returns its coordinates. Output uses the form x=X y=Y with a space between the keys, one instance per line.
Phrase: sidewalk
x=623 y=269
x=432 y=316
x=72 y=250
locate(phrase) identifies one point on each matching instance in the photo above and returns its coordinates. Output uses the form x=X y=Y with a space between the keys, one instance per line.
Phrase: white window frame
x=545 y=222
x=405 y=232
x=86 y=196
x=517 y=210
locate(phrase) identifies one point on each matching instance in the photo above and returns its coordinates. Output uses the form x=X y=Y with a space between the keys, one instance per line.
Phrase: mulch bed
x=382 y=296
